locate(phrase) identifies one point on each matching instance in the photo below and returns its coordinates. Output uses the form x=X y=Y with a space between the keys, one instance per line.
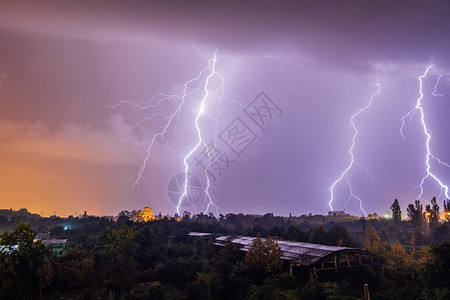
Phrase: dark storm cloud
x=66 y=61
x=335 y=31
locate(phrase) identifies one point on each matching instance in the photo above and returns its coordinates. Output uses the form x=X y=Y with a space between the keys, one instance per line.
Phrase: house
x=43 y=234
x=336 y=213
x=58 y=245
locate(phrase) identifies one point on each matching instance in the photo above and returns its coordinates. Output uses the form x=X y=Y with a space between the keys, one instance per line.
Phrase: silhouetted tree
x=415 y=213
x=432 y=212
x=396 y=212
x=318 y=235
x=339 y=236
x=447 y=209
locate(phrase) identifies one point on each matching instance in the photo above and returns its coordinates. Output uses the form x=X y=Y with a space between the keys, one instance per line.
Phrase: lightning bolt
x=201 y=110
x=344 y=174
x=429 y=156
x=190 y=89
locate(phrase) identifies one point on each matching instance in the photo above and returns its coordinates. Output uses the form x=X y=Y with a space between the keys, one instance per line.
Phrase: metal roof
x=303 y=253
x=52 y=242
x=199 y=234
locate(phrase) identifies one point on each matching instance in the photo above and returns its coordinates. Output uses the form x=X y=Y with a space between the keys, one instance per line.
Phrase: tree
x=207 y=286
x=396 y=212
x=432 y=212
x=123 y=217
x=265 y=292
x=447 y=209
x=339 y=236
x=186 y=215
x=274 y=263
x=318 y=235
x=122 y=241
x=436 y=272
x=413 y=259
x=415 y=213
x=264 y=256
x=20 y=261
x=120 y=270
x=371 y=239
x=147 y=290
x=227 y=257
x=146 y=215
x=45 y=273
x=396 y=256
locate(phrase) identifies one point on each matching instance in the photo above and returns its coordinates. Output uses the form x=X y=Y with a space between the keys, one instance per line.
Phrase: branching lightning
x=201 y=83
x=434 y=93
x=429 y=156
x=201 y=109
x=344 y=174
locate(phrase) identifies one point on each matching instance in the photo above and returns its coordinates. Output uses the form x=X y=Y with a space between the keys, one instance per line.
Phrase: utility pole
x=366 y=292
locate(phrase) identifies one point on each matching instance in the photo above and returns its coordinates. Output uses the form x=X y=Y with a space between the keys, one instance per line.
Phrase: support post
x=313 y=276
x=366 y=292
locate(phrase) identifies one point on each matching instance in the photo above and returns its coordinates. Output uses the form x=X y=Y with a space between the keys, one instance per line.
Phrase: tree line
x=124 y=259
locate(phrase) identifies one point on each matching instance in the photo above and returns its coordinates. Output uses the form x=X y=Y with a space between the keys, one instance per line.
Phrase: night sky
x=65 y=146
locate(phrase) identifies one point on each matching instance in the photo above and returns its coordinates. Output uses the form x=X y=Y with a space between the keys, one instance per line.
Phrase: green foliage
x=339 y=236
x=76 y=269
x=227 y=258
x=25 y=265
x=147 y=290
x=121 y=241
x=126 y=260
x=268 y=292
x=281 y=286
x=436 y=272
x=207 y=286
x=264 y=256
x=336 y=236
x=119 y=268
x=318 y=235
x=328 y=291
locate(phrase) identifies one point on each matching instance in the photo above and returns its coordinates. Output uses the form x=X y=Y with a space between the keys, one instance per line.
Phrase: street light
x=427 y=216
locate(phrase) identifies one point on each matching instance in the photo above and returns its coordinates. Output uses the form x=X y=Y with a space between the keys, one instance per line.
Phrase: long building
x=315 y=257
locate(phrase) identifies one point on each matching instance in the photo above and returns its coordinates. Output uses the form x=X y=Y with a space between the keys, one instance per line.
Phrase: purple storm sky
x=64 y=63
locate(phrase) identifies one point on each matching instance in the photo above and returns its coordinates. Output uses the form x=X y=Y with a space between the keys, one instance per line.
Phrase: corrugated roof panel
x=304 y=253
x=60 y=241
x=199 y=234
